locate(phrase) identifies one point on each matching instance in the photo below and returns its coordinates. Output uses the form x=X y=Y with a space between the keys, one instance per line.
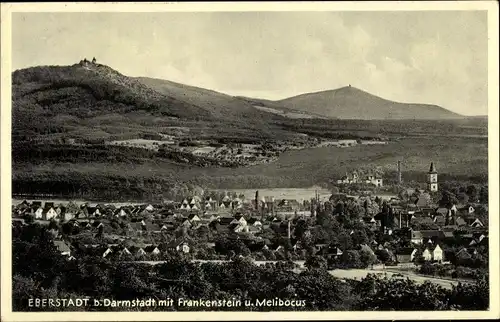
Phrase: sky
x=433 y=57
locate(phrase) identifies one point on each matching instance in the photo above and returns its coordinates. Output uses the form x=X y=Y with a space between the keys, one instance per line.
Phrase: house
x=416 y=237
x=119 y=251
x=49 y=204
x=186 y=223
x=439 y=220
x=406 y=255
x=151 y=249
x=149 y=208
x=427 y=254
x=140 y=252
x=421 y=220
x=473 y=222
x=93 y=211
x=136 y=251
x=193 y=218
x=226 y=220
x=448 y=235
x=62 y=247
x=107 y=252
x=179 y=246
x=49 y=213
x=296 y=245
x=67 y=216
x=442 y=211
x=239 y=217
x=254 y=229
x=61 y=211
x=465 y=254
x=460 y=221
x=254 y=222
x=122 y=212
x=437 y=254
x=38 y=212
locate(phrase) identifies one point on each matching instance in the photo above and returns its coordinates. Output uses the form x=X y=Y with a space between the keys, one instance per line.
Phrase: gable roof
x=62 y=246
x=431 y=233
x=460 y=221
x=440 y=219
x=225 y=220
x=416 y=234
x=405 y=251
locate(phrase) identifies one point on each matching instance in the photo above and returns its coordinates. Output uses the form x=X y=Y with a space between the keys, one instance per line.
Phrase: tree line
x=40 y=271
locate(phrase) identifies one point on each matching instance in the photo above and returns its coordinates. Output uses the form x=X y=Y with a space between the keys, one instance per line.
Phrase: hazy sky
x=422 y=57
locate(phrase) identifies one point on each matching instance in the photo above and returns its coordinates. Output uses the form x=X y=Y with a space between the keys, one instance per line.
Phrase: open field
x=456 y=159
x=361 y=273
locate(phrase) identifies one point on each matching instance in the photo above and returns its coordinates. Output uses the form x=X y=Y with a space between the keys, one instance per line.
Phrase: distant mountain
x=353 y=103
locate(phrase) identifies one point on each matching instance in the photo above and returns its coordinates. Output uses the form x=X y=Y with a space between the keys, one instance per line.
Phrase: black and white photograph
x=249 y=158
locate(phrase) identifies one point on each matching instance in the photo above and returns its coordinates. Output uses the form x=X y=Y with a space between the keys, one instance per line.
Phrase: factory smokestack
x=257 y=200
x=399 y=172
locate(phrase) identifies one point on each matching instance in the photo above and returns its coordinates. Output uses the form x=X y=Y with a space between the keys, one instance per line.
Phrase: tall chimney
x=399 y=172
x=289 y=229
x=257 y=200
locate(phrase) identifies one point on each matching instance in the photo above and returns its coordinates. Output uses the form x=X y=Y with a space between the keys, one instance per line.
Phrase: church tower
x=432 y=179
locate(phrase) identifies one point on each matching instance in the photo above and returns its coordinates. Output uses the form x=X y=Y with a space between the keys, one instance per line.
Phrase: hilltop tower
x=432 y=179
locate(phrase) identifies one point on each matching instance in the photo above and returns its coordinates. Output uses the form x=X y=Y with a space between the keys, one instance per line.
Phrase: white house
x=437 y=254
x=49 y=214
x=427 y=255
x=39 y=213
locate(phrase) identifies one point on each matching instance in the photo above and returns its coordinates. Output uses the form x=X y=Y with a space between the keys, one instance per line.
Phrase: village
x=393 y=231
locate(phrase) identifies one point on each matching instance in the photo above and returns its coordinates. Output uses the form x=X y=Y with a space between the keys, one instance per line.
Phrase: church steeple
x=432 y=168
x=432 y=178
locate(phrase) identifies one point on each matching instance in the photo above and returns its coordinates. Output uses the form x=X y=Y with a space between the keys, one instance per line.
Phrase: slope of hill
x=218 y=104
x=352 y=103
x=94 y=101
x=96 y=85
